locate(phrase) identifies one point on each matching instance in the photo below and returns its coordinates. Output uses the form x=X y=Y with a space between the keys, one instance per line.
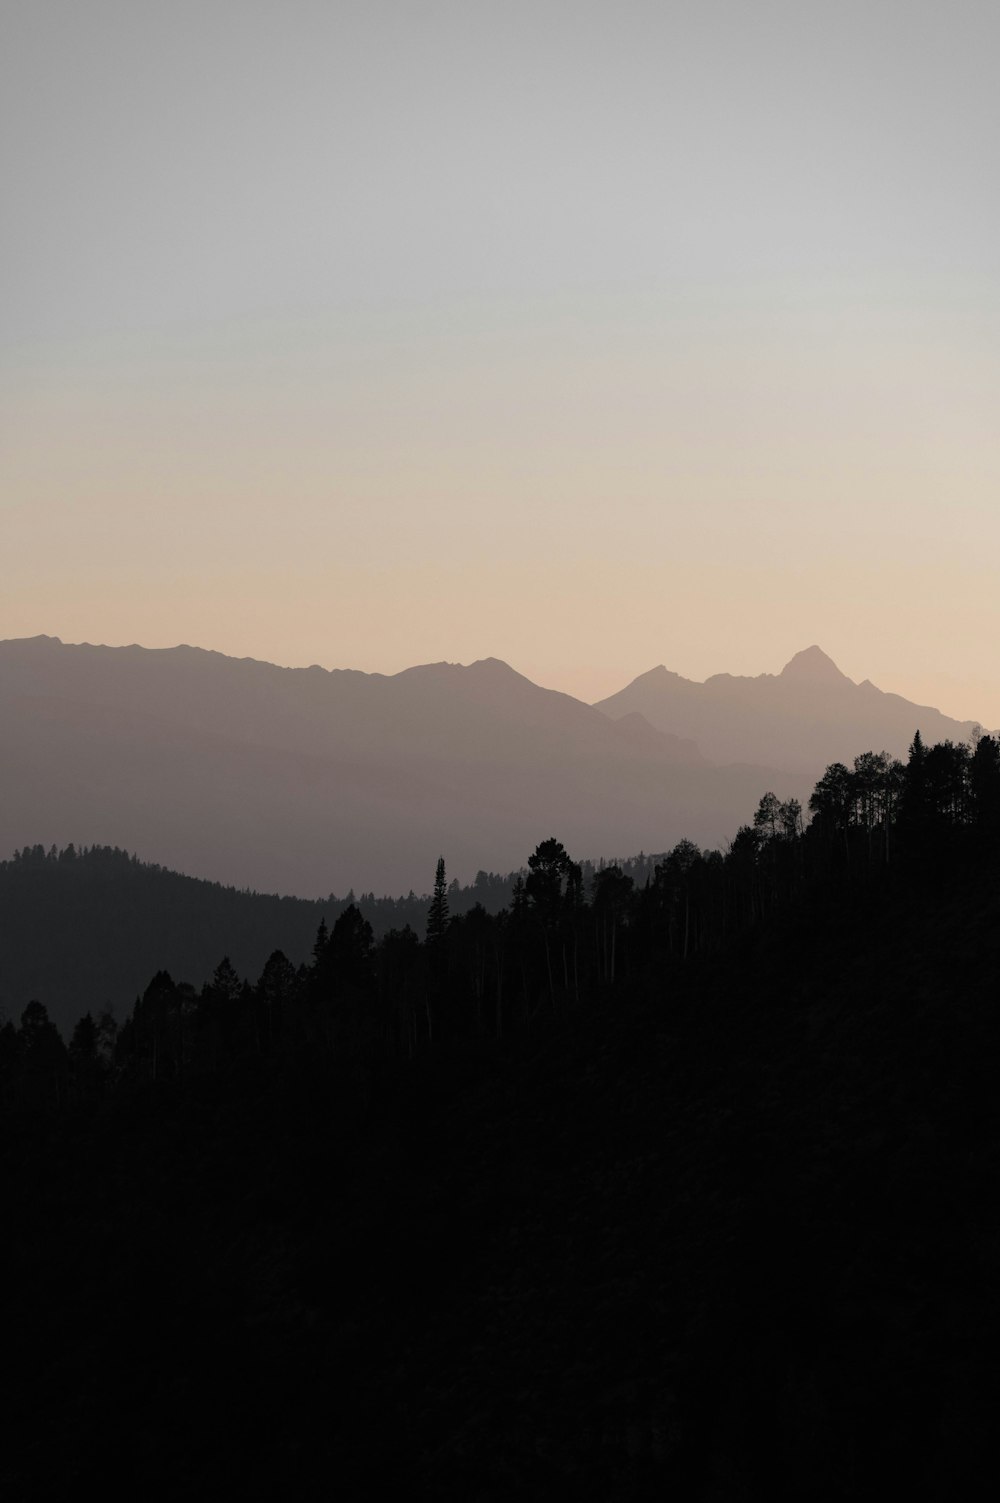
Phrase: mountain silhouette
x=303 y=780
x=801 y=719
x=813 y=666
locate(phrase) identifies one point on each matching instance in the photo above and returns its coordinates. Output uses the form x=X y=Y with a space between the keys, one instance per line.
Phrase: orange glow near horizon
x=585 y=339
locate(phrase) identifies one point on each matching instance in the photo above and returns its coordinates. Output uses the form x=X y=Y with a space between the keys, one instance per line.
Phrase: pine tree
x=914 y=800
x=984 y=781
x=319 y=948
x=437 y=914
x=437 y=928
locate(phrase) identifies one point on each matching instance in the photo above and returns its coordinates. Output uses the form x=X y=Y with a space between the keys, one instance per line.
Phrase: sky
x=585 y=335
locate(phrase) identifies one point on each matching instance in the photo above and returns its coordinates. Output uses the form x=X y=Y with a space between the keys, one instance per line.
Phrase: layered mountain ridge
x=308 y=780
x=303 y=780
x=799 y=720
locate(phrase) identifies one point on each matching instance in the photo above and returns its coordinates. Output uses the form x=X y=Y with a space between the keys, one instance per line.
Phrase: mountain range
x=801 y=719
x=308 y=781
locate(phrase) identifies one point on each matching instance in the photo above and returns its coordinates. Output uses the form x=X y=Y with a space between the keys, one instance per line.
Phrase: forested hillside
x=685 y=1188
x=82 y=930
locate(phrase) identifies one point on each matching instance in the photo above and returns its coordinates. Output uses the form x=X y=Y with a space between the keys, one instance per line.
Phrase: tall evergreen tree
x=914 y=802
x=984 y=780
x=549 y=875
x=322 y=937
x=437 y=914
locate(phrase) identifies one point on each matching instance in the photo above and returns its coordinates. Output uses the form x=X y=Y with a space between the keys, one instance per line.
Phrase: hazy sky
x=585 y=335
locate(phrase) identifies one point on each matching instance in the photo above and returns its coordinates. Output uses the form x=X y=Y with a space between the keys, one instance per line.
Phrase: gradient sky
x=588 y=335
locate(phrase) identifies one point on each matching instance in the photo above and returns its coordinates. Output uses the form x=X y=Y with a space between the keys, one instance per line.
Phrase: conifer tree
x=319 y=947
x=984 y=781
x=437 y=928
x=914 y=795
x=437 y=914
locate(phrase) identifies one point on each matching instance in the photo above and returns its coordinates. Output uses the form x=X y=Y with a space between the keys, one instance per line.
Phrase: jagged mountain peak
x=801 y=719
x=814 y=666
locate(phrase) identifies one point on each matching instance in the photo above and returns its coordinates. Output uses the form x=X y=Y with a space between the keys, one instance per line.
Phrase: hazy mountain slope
x=486 y=709
x=89 y=931
x=304 y=781
x=808 y=715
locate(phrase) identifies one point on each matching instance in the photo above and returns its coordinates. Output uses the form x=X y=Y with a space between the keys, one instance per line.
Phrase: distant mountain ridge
x=800 y=720
x=308 y=781
x=306 y=710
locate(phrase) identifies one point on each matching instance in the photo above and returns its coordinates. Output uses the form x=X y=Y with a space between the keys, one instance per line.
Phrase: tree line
x=569 y=932
x=84 y=927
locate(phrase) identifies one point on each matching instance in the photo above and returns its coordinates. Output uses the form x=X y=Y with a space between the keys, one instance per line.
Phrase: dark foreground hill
x=83 y=931
x=729 y=1233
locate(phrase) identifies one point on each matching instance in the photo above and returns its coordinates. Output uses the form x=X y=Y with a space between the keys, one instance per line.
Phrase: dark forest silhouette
x=630 y=1186
x=565 y=929
x=83 y=928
